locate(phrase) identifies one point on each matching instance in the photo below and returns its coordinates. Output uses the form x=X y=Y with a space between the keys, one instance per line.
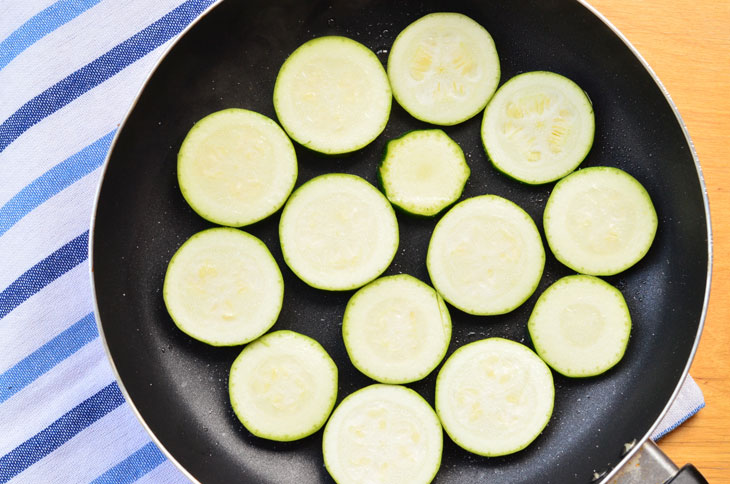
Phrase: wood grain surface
x=687 y=44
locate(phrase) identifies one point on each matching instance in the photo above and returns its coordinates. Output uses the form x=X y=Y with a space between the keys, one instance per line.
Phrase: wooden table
x=687 y=43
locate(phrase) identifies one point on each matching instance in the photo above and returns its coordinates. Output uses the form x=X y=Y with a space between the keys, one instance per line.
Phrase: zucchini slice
x=494 y=396
x=396 y=329
x=423 y=172
x=443 y=68
x=383 y=433
x=283 y=386
x=538 y=127
x=599 y=221
x=332 y=95
x=485 y=256
x=580 y=326
x=236 y=167
x=223 y=287
x=338 y=232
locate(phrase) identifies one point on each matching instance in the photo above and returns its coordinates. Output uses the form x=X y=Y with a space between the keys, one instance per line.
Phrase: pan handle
x=652 y=466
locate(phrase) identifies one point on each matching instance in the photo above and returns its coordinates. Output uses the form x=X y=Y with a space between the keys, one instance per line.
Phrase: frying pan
x=230 y=58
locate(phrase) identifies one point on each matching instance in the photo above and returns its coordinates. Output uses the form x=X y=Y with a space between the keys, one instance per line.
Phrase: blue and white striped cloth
x=69 y=70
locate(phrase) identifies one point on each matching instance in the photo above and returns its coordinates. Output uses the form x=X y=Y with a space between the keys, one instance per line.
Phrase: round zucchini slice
x=332 y=95
x=338 y=232
x=396 y=329
x=236 y=167
x=599 y=221
x=494 y=396
x=383 y=433
x=423 y=172
x=580 y=326
x=538 y=127
x=443 y=68
x=485 y=256
x=223 y=287
x=283 y=386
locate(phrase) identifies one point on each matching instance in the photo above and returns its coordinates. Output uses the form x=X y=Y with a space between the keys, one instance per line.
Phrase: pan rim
x=630 y=454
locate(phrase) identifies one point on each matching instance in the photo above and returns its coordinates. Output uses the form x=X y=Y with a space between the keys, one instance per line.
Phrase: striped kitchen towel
x=69 y=70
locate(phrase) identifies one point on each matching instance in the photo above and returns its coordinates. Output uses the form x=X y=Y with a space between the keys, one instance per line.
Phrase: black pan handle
x=688 y=475
x=651 y=465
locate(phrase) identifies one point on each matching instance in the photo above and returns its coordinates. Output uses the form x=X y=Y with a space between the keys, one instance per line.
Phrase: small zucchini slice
x=423 y=172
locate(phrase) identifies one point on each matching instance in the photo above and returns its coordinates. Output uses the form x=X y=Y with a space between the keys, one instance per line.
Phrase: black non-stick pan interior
x=230 y=59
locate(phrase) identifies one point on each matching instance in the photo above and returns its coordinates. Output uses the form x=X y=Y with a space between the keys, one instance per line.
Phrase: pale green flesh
x=443 y=68
x=332 y=95
x=599 y=221
x=580 y=326
x=485 y=256
x=283 y=386
x=338 y=232
x=236 y=167
x=223 y=287
x=383 y=433
x=494 y=396
x=424 y=172
x=396 y=329
x=538 y=127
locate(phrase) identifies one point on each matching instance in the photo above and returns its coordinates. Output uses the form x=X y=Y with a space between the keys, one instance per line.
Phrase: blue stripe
x=47 y=356
x=53 y=181
x=41 y=25
x=99 y=70
x=43 y=273
x=680 y=421
x=133 y=467
x=60 y=431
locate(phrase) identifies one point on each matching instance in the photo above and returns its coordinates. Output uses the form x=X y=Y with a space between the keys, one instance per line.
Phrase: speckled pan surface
x=230 y=58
